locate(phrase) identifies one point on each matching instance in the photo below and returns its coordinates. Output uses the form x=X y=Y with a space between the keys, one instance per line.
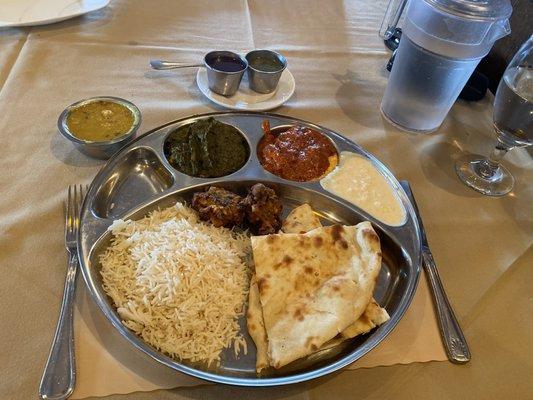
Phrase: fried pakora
x=263 y=209
x=219 y=206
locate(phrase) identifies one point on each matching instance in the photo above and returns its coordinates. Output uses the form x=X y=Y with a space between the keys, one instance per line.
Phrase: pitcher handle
x=390 y=19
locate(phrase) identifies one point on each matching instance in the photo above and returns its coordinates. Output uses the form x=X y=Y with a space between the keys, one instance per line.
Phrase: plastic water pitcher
x=441 y=44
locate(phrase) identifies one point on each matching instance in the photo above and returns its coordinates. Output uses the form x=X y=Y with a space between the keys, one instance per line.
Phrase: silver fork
x=59 y=375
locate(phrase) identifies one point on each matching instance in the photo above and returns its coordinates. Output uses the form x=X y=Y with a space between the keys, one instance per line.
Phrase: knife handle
x=452 y=336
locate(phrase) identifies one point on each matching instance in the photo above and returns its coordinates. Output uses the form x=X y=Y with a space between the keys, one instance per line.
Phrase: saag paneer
x=207 y=149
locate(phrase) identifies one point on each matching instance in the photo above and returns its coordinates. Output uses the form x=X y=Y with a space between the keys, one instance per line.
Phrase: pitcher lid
x=477 y=9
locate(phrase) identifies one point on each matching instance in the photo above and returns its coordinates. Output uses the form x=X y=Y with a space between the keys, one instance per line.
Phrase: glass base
x=468 y=170
x=405 y=128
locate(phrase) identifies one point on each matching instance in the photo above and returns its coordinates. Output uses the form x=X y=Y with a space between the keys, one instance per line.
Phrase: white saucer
x=40 y=12
x=247 y=99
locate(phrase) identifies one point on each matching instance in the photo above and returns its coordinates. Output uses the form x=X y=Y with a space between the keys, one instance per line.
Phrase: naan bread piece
x=301 y=220
x=256 y=326
x=373 y=316
x=312 y=286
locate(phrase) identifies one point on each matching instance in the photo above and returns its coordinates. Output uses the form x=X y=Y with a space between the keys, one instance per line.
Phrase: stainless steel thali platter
x=139 y=179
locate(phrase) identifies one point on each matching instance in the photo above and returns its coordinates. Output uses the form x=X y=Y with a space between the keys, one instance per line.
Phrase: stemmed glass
x=513 y=123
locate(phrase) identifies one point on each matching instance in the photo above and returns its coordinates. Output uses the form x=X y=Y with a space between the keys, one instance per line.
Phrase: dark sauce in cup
x=226 y=64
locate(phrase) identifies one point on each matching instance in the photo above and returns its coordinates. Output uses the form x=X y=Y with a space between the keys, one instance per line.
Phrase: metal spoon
x=160 y=64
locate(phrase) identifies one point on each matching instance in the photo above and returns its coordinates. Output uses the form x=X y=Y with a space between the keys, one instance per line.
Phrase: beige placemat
x=107 y=364
x=340 y=76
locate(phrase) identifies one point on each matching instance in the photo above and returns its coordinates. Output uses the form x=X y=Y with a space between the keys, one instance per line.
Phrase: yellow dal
x=100 y=121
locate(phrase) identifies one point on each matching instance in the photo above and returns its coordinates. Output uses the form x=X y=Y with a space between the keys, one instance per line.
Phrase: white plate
x=247 y=99
x=40 y=12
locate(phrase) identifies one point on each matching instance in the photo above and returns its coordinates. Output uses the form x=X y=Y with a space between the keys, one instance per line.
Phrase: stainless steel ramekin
x=100 y=149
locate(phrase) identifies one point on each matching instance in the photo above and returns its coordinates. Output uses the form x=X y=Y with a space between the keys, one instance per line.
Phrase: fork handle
x=59 y=375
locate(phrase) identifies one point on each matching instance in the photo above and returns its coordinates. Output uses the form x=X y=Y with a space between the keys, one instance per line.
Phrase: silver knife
x=452 y=336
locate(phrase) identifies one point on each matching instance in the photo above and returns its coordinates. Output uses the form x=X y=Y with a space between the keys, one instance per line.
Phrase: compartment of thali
x=138 y=176
x=392 y=281
x=207 y=149
x=364 y=183
x=296 y=152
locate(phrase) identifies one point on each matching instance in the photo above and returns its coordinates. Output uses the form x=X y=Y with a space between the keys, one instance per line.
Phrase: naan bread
x=301 y=220
x=313 y=286
x=256 y=326
x=373 y=316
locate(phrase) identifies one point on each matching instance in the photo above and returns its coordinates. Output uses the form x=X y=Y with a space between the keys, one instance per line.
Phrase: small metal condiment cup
x=262 y=80
x=100 y=149
x=225 y=83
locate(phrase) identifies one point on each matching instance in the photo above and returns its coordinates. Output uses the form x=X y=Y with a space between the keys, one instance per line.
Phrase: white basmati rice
x=178 y=283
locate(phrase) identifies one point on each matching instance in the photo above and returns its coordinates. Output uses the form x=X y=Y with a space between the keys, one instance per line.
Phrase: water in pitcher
x=427 y=85
x=513 y=108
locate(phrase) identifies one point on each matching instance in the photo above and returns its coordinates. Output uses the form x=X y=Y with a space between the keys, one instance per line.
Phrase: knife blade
x=452 y=336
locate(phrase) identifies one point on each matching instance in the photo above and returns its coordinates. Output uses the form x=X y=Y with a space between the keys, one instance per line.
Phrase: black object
x=475 y=88
x=391 y=61
x=394 y=41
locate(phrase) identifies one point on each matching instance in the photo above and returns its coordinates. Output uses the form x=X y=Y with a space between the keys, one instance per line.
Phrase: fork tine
x=76 y=208
x=76 y=194
x=65 y=213
x=68 y=223
x=80 y=202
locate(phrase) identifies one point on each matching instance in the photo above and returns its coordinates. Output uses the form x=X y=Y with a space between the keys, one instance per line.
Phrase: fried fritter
x=219 y=206
x=263 y=209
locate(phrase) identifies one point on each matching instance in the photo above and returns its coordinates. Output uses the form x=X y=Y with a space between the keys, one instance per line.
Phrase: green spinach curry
x=206 y=149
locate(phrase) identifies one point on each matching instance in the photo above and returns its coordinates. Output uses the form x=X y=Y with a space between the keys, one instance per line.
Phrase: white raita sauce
x=356 y=180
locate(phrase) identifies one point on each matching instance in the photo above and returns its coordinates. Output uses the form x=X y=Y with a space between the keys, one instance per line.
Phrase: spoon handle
x=160 y=64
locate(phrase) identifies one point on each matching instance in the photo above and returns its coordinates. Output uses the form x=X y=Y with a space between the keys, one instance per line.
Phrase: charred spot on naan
x=299 y=314
x=337 y=236
x=318 y=241
x=336 y=232
x=303 y=242
x=287 y=260
x=285 y=263
x=271 y=239
x=372 y=237
x=310 y=343
x=262 y=285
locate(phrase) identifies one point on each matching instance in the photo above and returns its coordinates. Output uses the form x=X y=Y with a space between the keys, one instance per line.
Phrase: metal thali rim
x=380 y=334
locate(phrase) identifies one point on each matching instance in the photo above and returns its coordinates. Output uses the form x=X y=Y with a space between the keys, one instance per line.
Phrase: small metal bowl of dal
x=100 y=126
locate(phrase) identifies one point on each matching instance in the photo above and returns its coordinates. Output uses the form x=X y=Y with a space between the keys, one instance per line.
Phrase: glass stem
x=489 y=166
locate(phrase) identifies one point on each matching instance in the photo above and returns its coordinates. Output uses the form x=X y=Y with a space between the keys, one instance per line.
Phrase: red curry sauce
x=298 y=154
